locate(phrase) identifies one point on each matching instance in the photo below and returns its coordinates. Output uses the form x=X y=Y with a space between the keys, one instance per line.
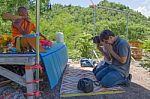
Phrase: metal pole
x=37 y=38
x=127 y=17
x=94 y=21
x=94 y=26
x=111 y=9
x=94 y=18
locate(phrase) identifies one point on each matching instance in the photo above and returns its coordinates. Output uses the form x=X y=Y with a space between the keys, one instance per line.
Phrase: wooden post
x=29 y=78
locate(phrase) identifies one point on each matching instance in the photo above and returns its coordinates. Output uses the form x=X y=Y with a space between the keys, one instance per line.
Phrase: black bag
x=85 y=85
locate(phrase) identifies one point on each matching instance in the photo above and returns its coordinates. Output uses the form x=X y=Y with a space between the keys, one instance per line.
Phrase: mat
x=71 y=77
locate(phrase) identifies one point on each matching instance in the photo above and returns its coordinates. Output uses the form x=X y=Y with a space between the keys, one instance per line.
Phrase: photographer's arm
x=122 y=59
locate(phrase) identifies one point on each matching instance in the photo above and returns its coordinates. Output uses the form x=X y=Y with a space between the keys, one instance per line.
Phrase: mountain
x=77 y=23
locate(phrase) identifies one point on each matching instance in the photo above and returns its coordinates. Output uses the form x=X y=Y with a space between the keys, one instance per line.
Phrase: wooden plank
x=3 y=83
x=12 y=76
x=17 y=59
x=92 y=93
x=70 y=80
x=29 y=78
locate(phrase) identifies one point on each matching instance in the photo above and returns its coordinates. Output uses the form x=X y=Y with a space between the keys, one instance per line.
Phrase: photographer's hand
x=115 y=55
x=100 y=48
x=108 y=47
x=106 y=50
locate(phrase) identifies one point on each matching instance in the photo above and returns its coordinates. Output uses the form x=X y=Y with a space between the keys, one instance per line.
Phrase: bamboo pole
x=37 y=39
x=127 y=18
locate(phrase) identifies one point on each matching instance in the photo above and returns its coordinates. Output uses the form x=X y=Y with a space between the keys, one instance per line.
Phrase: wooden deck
x=70 y=80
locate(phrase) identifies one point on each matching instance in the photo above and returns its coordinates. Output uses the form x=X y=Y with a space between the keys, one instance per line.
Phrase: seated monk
x=21 y=25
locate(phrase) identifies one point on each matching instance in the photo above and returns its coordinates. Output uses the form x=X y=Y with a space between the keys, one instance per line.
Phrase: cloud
x=144 y=8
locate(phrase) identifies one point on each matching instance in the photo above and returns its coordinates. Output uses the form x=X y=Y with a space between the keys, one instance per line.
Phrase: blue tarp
x=55 y=60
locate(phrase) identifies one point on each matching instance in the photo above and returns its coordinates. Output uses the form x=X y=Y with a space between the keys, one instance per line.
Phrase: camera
x=96 y=39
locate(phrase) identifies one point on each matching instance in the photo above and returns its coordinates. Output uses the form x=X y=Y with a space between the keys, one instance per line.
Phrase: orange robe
x=23 y=25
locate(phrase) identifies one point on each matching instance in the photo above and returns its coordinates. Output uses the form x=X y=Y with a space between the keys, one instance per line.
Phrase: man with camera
x=107 y=58
x=118 y=51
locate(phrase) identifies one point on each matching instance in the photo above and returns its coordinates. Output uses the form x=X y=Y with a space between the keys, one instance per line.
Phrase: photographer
x=116 y=73
x=107 y=58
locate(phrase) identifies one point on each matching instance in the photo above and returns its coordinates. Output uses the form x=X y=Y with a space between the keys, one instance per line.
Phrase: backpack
x=85 y=85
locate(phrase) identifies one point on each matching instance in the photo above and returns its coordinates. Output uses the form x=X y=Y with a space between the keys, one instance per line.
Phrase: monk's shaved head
x=22 y=11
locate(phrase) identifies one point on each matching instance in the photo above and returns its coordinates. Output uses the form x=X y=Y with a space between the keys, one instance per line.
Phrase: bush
x=147 y=45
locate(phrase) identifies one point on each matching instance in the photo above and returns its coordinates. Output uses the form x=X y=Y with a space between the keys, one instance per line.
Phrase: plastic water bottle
x=59 y=37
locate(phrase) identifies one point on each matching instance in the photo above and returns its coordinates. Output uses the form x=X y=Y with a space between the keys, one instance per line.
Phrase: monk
x=21 y=24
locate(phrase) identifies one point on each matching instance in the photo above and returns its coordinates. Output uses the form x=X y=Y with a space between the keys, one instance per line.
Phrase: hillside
x=77 y=23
